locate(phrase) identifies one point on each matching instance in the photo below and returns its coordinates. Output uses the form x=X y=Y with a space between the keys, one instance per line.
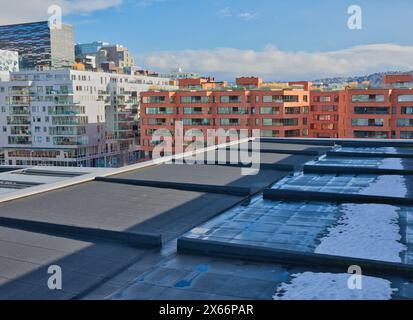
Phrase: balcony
x=67 y=131
x=19 y=110
x=18 y=120
x=125 y=135
x=20 y=140
x=18 y=102
x=59 y=92
x=21 y=92
x=70 y=111
x=70 y=141
x=68 y=121
x=124 y=127
x=20 y=131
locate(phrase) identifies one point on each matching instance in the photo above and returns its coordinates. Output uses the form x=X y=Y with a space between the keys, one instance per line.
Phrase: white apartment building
x=71 y=118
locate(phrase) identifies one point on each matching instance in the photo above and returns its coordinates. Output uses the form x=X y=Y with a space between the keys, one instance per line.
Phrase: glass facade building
x=38 y=45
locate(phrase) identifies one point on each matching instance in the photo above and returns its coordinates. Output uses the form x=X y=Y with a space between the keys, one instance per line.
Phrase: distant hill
x=374 y=79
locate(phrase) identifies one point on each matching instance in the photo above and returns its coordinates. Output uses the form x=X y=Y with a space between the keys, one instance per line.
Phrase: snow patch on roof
x=368 y=231
x=330 y=286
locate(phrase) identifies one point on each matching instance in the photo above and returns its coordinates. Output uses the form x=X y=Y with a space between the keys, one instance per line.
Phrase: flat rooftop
x=173 y=230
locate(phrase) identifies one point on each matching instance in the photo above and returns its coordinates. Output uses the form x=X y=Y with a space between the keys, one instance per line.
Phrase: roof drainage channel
x=255 y=253
x=283 y=151
x=228 y=190
x=50 y=173
x=288 y=195
x=315 y=168
x=261 y=166
x=17 y=184
x=353 y=154
x=140 y=240
x=299 y=141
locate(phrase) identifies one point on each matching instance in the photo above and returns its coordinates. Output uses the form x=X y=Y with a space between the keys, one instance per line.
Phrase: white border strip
x=107 y=172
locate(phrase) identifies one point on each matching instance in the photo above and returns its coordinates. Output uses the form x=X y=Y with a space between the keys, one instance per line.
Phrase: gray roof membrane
x=86 y=229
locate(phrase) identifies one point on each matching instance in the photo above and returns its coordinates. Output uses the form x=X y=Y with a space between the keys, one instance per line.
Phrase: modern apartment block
x=71 y=118
x=384 y=112
x=117 y=54
x=278 y=112
x=296 y=109
x=39 y=46
x=92 y=48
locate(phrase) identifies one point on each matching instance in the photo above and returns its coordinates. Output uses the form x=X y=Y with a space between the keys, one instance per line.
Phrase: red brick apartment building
x=295 y=109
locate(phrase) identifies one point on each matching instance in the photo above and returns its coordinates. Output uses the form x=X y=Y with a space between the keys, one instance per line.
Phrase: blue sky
x=206 y=24
x=227 y=35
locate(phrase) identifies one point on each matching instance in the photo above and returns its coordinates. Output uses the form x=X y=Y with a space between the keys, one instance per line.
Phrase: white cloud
x=227 y=13
x=248 y=16
x=18 y=11
x=224 y=13
x=274 y=63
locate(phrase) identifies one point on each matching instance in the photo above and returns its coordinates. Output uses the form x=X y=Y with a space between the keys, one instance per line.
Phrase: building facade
x=39 y=47
x=280 y=112
x=117 y=54
x=71 y=118
x=295 y=109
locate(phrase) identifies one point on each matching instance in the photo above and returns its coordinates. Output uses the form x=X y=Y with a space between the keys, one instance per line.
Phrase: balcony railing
x=70 y=141
x=18 y=120
x=65 y=111
x=67 y=131
x=20 y=140
x=19 y=110
x=19 y=102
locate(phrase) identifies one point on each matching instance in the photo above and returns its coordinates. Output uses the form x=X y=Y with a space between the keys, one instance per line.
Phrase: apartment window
x=280 y=122
x=323 y=117
x=371 y=134
x=406 y=134
x=371 y=110
x=292 y=133
x=195 y=110
x=272 y=99
x=292 y=110
x=322 y=99
x=269 y=110
x=367 y=98
x=231 y=99
x=270 y=133
x=232 y=110
x=405 y=98
x=405 y=122
x=154 y=99
x=159 y=111
x=406 y=110
x=367 y=122
x=329 y=108
x=230 y=122
x=196 y=122
x=195 y=99
x=328 y=126
x=267 y=122
x=291 y=99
